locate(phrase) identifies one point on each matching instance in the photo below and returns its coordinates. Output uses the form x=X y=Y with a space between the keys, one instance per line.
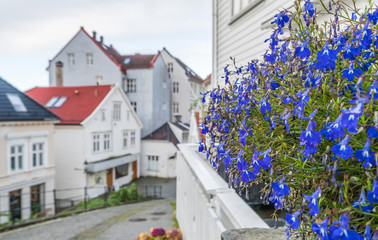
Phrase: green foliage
x=124 y=194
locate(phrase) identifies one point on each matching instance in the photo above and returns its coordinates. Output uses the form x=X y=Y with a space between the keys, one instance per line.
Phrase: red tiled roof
x=202 y=136
x=207 y=79
x=81 y=101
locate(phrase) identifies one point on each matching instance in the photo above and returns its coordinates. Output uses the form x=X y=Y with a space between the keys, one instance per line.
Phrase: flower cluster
x=161 y=234
x=305 y=122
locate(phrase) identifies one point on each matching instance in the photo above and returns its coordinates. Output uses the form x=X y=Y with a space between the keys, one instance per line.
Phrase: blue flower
x=351 y=72
x=281 y=19
x=265 y=105
x=309 y=8
x=277 y=200
x=334 y=130
x=362 y=204
x=242 y=166
x=292 y=220
x=373 y=17
x=303 y=51
x=372 y=132
x=244 y=133
x=351 y=52
x=342 y=149
x=286 y=99
x=372 y=196
x=373 y=92
x=343 y=232
x=321 y=230
x=227 y=160
x=350 y=118
x=367 y=40
x=367 y=233
x=201 y=147
x=365 y=155
x=326 y=58
x=265 y=162
x=280 y=188
x=313 y=203
x=310 y=138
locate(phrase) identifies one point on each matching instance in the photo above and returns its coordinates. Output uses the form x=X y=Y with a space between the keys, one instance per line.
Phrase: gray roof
x=28 y=109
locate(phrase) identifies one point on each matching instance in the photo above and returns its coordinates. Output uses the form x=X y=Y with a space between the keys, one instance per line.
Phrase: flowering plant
x=161 y=234
x=305 y=122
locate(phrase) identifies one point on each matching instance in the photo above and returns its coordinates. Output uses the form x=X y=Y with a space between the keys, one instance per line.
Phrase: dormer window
x=71 y=59
x=16 y=102
x=55 y=102
x=127 y=61
x=89 y=59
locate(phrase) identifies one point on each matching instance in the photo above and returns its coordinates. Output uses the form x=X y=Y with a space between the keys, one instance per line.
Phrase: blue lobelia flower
x=310 y=139
x=200 y=147
x=326 y=58
x=265 y=106
x=321 y=230
x=362 y=204
x=280 y=188
x=227 y=160
x=313 y=202
x=372 y=196
x=292 y=219
x=285 y=116
x=276 y=200
x=373 y=92
x=373 y=17
x=350 y=117
x=342 y=149
x=286 y=99
x=281 y=19
x=255 y=162
x=366 y=38
x=244 y=133
x=311 y=82
x=265 y=162
x=365 y=155
x=242 y=166
x=334 y=130
x=309 y=8
x=351 y=72
x=343 y=232
x=372 y=132
x=303 y=51
x=351 y=52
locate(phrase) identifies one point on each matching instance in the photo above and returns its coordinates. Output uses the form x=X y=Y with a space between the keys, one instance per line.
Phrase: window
x=130 y=85
x=37 y=198
x=134 y=105
x=55 y=102
x=122 y=171
x=96 y=142
x=37 y=154
x=16 y=157
x=164 y=107
x=175 y=87
x=117 y=111
x=89 y=59
x=125 y=136
x=239 y=7
x=127 y=60
x=152 y=163
x=132 y=138
x=16 y=102
x=170 y=67
x=15 y=204
x=164 y=83
x=71 y=59
x=103 y=115
x=107 y=141
x=99 y=80
x=175 y=107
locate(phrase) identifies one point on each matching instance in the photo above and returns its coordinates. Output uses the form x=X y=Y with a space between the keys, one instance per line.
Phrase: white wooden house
x=97 y=142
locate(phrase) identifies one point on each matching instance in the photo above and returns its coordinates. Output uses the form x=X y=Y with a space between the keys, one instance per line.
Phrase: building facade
x=97 y=142
x=27 y=175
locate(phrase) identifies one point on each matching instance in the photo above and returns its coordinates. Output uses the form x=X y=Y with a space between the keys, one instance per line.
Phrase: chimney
x=101 y=39
x=59 y=73
x=178 y=118
x=94 y=35
x=76 y=92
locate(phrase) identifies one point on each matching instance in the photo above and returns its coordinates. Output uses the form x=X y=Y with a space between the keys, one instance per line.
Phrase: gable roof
x=188 y=71
x=34 y=111
x=81 y=100
x=98 y=44
x=163 y=133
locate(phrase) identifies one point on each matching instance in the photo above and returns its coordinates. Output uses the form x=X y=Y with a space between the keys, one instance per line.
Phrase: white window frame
x=125 y=139
x=99 y=80
x=153 y=163
x=16 y=155
x=130 y=85
x=37 y=154
x=132 y=138
x=96 y=142
x=71 y=59
x=16 y=101
x=176 y=87
x=170 y=67
x=241 y=7
x=89 y=59
x=175 y=108
x=116 y=111
x=107 y=142
x=134 y=106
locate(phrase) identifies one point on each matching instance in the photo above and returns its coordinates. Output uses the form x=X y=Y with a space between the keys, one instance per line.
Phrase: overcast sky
x=32 y=32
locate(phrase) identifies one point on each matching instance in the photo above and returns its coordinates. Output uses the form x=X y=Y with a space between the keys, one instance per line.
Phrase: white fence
x=206 y=207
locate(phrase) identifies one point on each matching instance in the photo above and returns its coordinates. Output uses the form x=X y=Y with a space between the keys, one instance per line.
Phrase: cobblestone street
x=122 y=222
